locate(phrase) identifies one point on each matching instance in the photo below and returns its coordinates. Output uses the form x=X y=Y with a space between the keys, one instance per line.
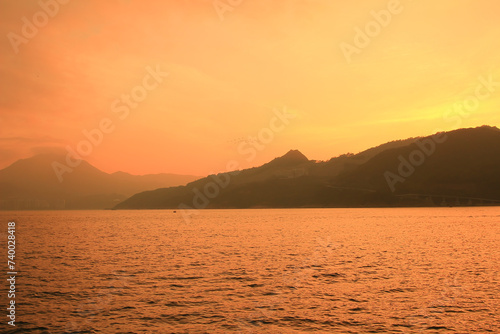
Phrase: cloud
x=15 y=148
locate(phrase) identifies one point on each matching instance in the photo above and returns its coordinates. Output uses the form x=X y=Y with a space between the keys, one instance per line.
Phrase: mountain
x=292 y=158
x=460 y=167
x=33 y=183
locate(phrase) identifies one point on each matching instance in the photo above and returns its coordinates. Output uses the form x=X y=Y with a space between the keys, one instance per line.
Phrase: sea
x=403 y=270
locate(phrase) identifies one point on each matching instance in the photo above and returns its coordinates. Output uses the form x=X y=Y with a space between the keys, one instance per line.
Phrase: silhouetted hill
x=455 y=168
x=465 y=164
x=293 y=157
x=33 y=184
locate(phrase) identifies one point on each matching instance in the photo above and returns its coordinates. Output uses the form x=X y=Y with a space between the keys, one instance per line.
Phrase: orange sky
x=229 y=71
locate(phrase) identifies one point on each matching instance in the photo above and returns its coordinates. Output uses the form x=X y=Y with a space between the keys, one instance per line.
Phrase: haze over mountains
x=33 y=184
x=460 y=167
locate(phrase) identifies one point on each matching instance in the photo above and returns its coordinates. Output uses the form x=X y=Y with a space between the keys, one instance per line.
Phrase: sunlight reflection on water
x=259 y=271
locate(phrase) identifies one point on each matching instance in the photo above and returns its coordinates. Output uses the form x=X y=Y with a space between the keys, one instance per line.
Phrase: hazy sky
x=232 y=66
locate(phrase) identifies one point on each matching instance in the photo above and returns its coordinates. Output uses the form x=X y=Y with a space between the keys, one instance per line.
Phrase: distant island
x=456 y=168
x=33 y=184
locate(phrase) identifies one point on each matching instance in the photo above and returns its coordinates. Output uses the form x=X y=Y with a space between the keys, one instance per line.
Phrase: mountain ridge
x=355 y=180
x=462 y=169
x=33 y=183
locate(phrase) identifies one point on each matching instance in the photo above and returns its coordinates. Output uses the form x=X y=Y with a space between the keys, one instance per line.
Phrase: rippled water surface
x=257 y=271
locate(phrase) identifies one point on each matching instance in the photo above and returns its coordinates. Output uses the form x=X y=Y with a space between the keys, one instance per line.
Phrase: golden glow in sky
x=186 y=86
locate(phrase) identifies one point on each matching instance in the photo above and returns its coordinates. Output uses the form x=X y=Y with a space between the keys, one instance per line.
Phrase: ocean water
x=256 y=271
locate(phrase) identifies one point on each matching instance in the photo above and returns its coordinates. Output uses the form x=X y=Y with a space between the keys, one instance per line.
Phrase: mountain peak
x=291 y=158
x=294 y=155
